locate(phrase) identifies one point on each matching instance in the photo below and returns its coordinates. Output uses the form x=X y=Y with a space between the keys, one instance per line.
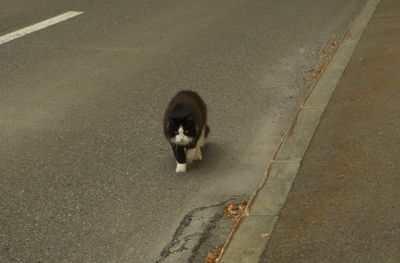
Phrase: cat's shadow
x=212 y=153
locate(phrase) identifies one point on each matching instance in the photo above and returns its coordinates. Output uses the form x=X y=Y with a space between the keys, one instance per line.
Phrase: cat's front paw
x=180 y=168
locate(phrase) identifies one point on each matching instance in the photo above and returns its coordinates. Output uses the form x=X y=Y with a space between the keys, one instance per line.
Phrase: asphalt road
x=85 y=174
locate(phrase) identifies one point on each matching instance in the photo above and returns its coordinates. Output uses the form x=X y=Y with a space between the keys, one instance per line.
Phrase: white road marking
x=38 y=26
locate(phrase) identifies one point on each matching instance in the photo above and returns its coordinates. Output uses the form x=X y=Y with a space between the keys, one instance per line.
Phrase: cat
x=185 y=127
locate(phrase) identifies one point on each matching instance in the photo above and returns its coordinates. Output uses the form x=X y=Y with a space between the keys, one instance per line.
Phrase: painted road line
x=38 y=26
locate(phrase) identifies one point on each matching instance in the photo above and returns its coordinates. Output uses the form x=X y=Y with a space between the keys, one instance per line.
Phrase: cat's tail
x=207 y=131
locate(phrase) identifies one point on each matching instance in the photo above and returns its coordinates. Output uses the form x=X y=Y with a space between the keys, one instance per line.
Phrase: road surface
x=85 y=174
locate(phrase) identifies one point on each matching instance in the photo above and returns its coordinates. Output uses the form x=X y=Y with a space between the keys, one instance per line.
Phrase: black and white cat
x=185 y=126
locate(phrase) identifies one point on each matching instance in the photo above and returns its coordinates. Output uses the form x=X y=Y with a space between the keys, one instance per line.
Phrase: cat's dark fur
x=185 y=127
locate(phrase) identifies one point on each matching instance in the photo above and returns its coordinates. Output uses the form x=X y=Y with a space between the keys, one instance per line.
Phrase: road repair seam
x=249 y=238
x=38 y=26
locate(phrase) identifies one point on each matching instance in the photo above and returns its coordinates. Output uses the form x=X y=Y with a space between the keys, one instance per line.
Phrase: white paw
x=180 y=168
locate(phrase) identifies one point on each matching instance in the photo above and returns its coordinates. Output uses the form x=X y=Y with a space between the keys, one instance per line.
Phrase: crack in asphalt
x=179 y=236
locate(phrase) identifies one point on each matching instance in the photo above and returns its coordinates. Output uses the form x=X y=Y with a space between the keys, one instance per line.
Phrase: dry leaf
x=214 y=254
x=234 y=212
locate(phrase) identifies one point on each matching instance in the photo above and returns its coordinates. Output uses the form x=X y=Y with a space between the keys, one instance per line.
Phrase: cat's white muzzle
x=181 y=138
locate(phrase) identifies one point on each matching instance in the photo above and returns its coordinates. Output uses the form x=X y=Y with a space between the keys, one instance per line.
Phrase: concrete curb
x=249 y=238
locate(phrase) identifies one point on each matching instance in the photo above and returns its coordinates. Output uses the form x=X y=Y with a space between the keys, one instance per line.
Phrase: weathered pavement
x=344 y=204
x=85 y=173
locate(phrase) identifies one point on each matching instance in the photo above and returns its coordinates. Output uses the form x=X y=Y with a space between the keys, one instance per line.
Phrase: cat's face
x=182 y=131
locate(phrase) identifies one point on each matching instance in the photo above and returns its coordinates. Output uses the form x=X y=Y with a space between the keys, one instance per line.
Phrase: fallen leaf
x=214 y=254
x=234 y=212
